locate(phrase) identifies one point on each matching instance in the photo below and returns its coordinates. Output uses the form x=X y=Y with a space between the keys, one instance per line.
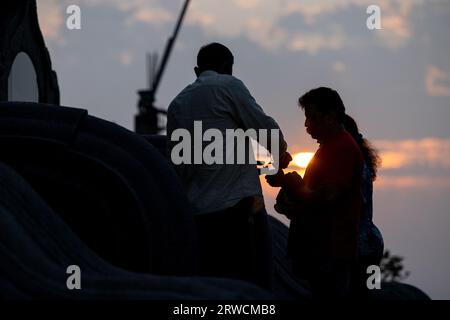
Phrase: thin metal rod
x=168 y=48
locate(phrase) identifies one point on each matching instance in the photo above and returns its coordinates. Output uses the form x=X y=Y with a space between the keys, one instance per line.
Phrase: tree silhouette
x=392 y=268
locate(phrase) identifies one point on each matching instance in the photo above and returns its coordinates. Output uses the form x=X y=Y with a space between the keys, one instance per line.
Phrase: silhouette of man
x=327 y=202
x=227 y=198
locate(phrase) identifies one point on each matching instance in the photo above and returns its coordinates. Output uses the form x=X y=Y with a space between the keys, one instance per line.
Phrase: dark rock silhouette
x=36 y=247
x=110 y=185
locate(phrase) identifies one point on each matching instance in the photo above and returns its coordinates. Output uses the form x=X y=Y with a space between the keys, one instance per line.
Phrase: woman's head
x=324 y=111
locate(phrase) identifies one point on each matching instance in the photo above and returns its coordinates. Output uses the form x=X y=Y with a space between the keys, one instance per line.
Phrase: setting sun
x=302 y=159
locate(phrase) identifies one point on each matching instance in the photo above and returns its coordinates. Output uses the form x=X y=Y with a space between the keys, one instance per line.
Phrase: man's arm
x=247 y=111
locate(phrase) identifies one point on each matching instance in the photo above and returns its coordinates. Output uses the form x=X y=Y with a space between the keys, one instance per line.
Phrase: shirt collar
x=208 y=73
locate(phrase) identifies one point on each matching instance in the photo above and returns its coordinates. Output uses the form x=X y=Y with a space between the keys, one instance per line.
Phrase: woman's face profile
x=314 y=123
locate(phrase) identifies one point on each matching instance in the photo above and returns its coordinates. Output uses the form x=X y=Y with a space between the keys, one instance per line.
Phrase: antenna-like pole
x=146 y=121
x=149 y=64
x=152 y=62
x=169 y=47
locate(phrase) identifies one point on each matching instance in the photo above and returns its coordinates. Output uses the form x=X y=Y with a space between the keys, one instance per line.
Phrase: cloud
x=437 y=82
x=51 y=19
x=126 y=58
x=257 y=20
x=315 y=42
x=152 y=15
x=428 y=152
x=311 y=10
x=423 y=163
x=266 y=34
x=339 y=67
x=247 y=4
x=412 y=182
x=261 y=22
x=147 y=11
x=396 y=28
x=395 y=15
x=52 y=14
x=204 y=20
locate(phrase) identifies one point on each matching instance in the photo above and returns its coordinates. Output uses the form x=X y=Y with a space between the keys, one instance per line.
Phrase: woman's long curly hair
x=370 y=154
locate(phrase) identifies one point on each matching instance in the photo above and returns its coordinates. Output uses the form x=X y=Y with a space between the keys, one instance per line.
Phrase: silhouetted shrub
x=392 y=268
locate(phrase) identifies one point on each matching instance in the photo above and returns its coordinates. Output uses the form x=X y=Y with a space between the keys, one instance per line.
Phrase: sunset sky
x=395 y=82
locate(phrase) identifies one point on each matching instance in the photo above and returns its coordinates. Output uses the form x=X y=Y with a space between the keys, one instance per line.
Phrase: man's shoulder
x=224 y=80
x=234 y=81
x=176 y=102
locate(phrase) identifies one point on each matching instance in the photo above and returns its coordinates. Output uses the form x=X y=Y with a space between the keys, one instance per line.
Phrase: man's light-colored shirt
x=221 y=102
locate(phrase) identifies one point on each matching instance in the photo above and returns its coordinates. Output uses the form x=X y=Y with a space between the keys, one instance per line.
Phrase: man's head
x=215 y=57
x=324 y=112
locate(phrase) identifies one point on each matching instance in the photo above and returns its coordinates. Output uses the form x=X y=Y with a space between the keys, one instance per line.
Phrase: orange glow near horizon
x=302 y=159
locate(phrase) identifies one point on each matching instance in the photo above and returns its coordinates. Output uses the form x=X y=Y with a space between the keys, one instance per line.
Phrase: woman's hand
x=292 y=182
x=284 y=205
x=276 y=179
x=285 y=159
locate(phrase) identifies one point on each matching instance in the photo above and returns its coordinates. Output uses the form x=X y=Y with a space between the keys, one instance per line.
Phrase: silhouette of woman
x=370 y=244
